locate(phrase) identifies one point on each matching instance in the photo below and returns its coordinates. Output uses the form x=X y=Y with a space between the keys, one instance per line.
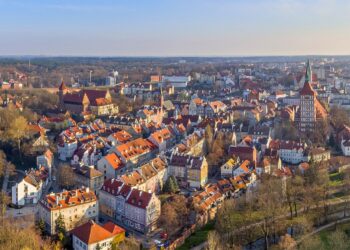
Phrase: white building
x=92 y=236
x=177 y=81
x=345 y=147
x=66 y=149
x=73 y=206
x=46 y=160
x=29 y=190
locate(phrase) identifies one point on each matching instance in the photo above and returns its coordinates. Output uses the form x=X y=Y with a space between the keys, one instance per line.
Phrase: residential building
x=88 y=176
x=30 y=188
x=163 y=139
x=111 y=166
x=46 y=160
x=73 y=206
x=129 y=207
x=190 y=171
x=136 y=152
x=92 y=236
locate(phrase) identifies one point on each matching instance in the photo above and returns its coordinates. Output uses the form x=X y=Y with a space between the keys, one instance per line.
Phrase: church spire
x=308 y=74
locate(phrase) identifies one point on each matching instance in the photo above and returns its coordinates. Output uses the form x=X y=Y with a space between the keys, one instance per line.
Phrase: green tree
x=170 y=185
x=176 y=185
x=60 y=226
x=40 y=226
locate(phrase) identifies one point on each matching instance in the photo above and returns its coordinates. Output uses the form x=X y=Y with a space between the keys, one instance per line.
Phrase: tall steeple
x=308 y=74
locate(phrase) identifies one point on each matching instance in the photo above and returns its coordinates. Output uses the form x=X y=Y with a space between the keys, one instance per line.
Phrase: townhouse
x=136 y=152
x=88 y=176
x=119 y=137
x=163 y=139
x=190 y=171
x=129 y=207
x=111 y=166
x=149 y=177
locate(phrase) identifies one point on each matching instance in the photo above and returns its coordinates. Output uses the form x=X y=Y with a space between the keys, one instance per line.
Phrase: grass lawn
x=197 y=237
x=336 y=179
x=325 y=235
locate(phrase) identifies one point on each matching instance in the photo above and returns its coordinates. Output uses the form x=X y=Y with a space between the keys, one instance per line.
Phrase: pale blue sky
x=174 y=27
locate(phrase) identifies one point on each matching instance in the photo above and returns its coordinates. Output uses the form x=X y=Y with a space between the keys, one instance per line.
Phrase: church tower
x=307 y=103
x=62 y=90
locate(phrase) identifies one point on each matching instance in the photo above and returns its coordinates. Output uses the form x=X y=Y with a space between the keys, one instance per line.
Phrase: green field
x=197 y=237
x=326 y=239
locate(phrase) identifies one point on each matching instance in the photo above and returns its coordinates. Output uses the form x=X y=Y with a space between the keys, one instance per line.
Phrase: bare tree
x=66 y=176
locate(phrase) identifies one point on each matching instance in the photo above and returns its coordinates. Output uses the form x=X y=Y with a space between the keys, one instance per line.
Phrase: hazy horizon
x=175 y=28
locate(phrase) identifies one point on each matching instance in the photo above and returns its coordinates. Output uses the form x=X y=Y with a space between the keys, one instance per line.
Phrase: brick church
x=85 y=101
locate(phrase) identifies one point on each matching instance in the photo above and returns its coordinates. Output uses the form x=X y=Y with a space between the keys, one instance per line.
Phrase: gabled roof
x=114 y=160
x=91 y=232
x=139 y=198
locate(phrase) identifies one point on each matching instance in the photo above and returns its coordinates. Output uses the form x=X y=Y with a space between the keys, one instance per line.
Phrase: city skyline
x=175 y=28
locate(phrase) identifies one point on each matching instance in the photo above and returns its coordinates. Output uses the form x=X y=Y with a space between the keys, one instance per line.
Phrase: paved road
x=27 y=210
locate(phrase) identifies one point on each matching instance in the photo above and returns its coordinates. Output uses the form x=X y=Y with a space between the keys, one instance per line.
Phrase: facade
x=190 y=171
x=46 y=160
x=74 y=206
x=29 y=190
x=92 y=236
x=98 y=102
x=149 y=177
x=129 y=207
x=110 y=166
x=311 y=110
x=88 y=177
x=163 y=139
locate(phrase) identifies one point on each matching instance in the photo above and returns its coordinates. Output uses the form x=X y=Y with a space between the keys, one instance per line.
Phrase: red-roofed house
x=163 y=139
x=111 y=166
x=91 y=236
x=128 y=206
x=73 y=206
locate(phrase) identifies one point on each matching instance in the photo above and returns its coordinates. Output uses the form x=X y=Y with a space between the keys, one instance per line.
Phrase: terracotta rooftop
x=91 y=232
x=68 y=199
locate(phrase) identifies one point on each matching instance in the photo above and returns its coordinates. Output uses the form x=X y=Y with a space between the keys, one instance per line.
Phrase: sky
x=174 y=27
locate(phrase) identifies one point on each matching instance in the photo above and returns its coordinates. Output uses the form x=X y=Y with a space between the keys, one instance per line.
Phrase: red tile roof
x=68 y=199
x=139 y=198
x=91 y=232
x=114 y=160
x=307 y=90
